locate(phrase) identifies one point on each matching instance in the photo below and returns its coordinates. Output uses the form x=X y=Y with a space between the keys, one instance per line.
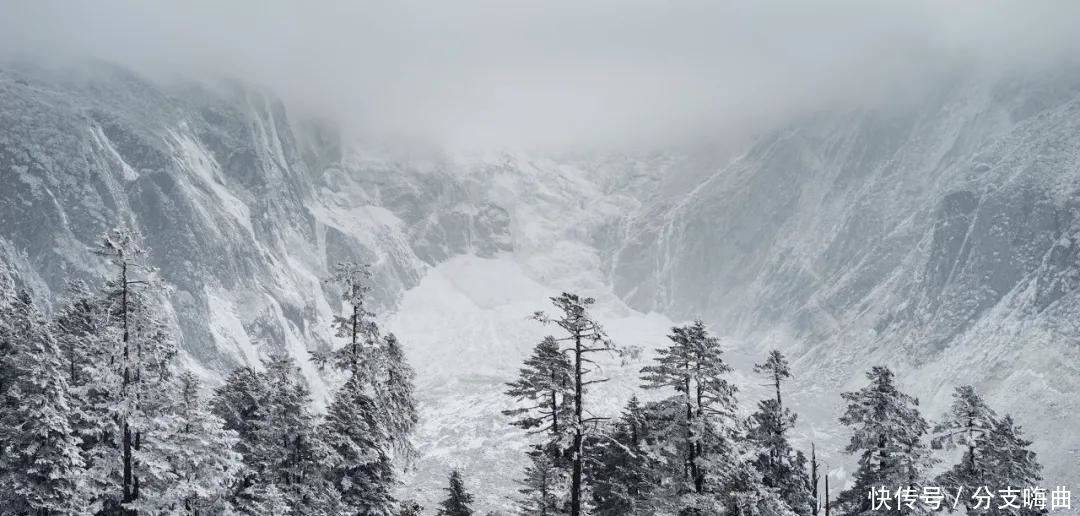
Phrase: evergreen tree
x=292 y=453
x=241 y=403
x=625 y=472
x=458 y=501
x=360 y=469
x=356 y=324
x=188 y=455
x=141 y=362
x=700 y=412
x=396 y=395
x=263 y=500
x=887 y=434
x=410 y=508
x=543 y=385
x=584 y=337
x=78 y=326
x=278 y=439
x=40 y=463
x=815 y=479
x=780 y=466
x=88 y=338
x=995 y=456
x=375 y=423
x=7 y=334
x=82 y=333
x=544 y=486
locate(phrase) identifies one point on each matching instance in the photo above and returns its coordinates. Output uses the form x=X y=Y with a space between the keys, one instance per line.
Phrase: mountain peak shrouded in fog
x=554 y=75
x=882 y=186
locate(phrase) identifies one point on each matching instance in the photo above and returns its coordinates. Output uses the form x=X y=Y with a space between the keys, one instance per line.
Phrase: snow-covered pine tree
x=242 y=405
x=188 y=456
x=775 y=369
x=702 y=408
x=410 y=508
x=887 y=434
x=78 y=324
x=780 y=466
x=81 y=329
x=745 y=495
x=815 y=479
x=544 y=487
x=382 y=413
x=7 y=335
x=262 y=500
x=291 y=451
x=624 y=474
x=458 y=501
x=360 y=467
x=584 y=336
x=40 y=460
x=356 y=324
x=396 y=398
x=143 y=355
x=88 y=343
x=278 y=438
x=544 y=387
x=995 y=454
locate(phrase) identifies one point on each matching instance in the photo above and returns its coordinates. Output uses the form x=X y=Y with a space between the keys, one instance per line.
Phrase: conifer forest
x=101 y=418
x=539 y=258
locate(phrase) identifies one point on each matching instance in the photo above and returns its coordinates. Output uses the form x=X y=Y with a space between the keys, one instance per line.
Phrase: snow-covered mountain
x=938 y=236
x=246 y=209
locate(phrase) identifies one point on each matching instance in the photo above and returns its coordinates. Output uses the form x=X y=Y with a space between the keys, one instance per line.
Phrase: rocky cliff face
x=939 y=237
x=245 y=209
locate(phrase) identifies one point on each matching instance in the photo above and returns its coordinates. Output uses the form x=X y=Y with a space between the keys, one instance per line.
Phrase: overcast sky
x=556 y=73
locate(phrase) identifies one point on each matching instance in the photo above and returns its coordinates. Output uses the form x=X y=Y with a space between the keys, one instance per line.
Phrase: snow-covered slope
x=468 y=328
x=939 y=238
x=245 y=209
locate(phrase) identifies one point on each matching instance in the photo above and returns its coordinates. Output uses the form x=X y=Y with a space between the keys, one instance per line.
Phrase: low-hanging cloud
x=559 y=74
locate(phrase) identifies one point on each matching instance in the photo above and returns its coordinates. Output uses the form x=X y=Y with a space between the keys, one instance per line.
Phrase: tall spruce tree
x=377 y=420
x=242 y=405
x=995 y=455
x=544 y=487
x=293 y=447
x=396 y=398
x=360 y=467
x=355 y=324
x=703 y=406
x=780 y=466
x=7 y=335
x=625 y=473
x=142 y=356
x=583 y=337
x=888 y=435
x=189 y=456
x=458 y=501
x=40 y=461
x=278 y=438
x=81 y=329
x=544 y=388
x=140 y=359
x=87 y=337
